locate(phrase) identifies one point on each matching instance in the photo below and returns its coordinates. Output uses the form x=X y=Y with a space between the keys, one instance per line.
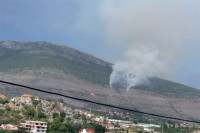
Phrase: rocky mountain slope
x=19 y=109
x=62 y=69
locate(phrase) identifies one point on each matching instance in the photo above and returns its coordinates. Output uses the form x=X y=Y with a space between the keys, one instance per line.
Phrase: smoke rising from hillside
x=153 y=33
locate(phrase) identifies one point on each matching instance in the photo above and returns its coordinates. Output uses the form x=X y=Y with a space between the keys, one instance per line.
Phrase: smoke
x=154 y=35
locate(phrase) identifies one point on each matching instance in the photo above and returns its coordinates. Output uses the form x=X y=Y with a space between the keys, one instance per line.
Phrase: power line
x=98 y=103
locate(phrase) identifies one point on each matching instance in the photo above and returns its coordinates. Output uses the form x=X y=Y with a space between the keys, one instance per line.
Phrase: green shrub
x=8 y=108
x=4 y=101
x=30 y=112
x=1 y=111
x=4 y=131
x=62 y=116
x=35 y=102
x=55 y=115
x=41 y=115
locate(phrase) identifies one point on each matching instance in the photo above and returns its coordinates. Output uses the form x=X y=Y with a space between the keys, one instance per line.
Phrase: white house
x=35 y=126
x=9 y=127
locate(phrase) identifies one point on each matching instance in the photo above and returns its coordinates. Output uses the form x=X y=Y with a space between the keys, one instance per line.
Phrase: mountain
x=36 y=55
x=68 y=71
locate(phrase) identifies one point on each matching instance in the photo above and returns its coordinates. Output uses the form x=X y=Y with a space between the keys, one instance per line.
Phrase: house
x=198 y=131
x=88 y=115
x=108 y=126
x=9 y=127
x=117 y=128
x=86 y=130
x=25 y=98
x=99 y=119
x=30 y=96
x=16 y=99
x=120 y=122
x=148 y=129
x=3 y=96
x=35 y=126
x=147 y=125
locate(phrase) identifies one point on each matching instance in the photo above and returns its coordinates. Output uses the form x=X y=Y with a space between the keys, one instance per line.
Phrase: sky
x=108 y=29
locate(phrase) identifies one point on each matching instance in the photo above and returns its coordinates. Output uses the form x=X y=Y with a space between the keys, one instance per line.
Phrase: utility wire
x=98 y=103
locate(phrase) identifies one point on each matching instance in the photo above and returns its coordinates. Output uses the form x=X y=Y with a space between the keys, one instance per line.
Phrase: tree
x=99 y=129
x=4 y=101
x=8 y=108
x=4 y=131
x=1 y=112
x=56 y=124
x=84 y=118
x=21 y=130
x=41 y=115
x=35 y=102
x=30 y=112
x=55 y=115
x=62 y=116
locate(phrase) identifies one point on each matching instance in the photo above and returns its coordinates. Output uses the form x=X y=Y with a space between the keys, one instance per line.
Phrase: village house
x=88 y=115
x=9 y=127
x=198 y=131
x=35 y=126
x=108 y=126
x=87 y=130
x=120 y=122
x=3 y=96
x=147 y=125
x=148 y=129
x=99 y=119
x=25 y=98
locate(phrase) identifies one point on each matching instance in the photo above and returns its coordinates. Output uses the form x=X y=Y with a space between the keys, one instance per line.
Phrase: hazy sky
x=92 y=26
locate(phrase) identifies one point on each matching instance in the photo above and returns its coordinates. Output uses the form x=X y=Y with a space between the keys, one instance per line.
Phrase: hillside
x=30 y=108
x=65 y=70
x=36 y=55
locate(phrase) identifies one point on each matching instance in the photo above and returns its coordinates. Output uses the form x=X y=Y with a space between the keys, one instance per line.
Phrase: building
x=88 y=115
x=198 y=131
x=147 y=125
x=16 y=99
x=149 y=130
x=35 y=126
x=87 y=130
x=99 y=119
x=9 y=127
x=3 y=96
x=108 y=126
x=25 y=98
x=120 y=122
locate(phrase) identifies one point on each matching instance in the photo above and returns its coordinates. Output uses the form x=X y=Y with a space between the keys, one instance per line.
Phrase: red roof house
x=86 y=130
x=3 y=96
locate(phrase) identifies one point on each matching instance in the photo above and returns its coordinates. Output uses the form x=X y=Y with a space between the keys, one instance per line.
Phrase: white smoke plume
x=153 y=33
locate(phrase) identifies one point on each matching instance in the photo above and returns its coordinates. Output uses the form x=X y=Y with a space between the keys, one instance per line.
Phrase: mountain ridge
x=61 y=69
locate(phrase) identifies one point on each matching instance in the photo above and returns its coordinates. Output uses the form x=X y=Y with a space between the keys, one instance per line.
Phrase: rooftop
x=35 y=122
x=2 y=96
x=28 y=95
